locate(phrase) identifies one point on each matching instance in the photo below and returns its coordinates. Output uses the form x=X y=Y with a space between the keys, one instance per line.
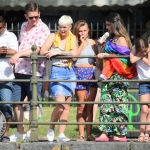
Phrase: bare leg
x=56 y=114
x=147 y=130
x=144 y=112
x=81 y=96
x=7 y=127
x=46 y=89
x=18 y=112
x=64 y=115
x=97 y=99
x=89 y=114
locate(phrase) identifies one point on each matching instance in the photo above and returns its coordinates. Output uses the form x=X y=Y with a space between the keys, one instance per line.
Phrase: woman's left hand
x=101 y=55
x=52 y=53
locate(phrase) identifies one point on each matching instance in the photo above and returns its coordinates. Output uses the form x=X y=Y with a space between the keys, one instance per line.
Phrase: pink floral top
x=36 y=36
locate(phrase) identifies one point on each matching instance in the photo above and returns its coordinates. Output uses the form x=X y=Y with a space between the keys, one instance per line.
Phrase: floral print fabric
x=114 y=92
x=36 y=36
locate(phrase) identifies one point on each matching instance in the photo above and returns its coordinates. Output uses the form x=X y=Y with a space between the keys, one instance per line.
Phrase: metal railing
x=96 y=30
x=33 y=123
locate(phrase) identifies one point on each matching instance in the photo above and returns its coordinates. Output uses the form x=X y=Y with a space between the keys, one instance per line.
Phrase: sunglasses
x=35 y=17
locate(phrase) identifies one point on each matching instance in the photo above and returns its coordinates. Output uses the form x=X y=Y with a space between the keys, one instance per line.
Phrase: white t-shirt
x=143 y=70
x=9 y=40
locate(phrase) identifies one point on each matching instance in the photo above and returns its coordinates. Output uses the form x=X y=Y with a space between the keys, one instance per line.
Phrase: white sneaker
x=26 y=115
x=50 y=135
x=27 y=137
x=62 y=138
x=17 y=136
x=46 y=94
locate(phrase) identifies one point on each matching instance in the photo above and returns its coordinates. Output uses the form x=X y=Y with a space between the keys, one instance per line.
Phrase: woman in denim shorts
x=140 y=54
x=63 y=42
x=85 y=91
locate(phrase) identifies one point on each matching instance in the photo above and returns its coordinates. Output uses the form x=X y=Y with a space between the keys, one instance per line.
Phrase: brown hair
x=141 y=45
x=31 y=6
x=77 y=25
x=118 y=28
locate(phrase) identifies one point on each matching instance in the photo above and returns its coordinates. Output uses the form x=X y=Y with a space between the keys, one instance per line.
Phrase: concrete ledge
x=140 y=146
x=96 y=146
x=73 y=145
x=8 y=146
x=40 y=146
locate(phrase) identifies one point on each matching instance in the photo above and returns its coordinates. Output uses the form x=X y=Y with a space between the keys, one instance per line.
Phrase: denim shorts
x=59 y=89
x=85 y=74
x=6 y=90
x=23 y=89
x=144 y=88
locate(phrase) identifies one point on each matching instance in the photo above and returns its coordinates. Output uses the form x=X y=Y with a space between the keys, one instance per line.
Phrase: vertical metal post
x=128 y=25
x=91 y=30
x=34 y=121
x=97 y=35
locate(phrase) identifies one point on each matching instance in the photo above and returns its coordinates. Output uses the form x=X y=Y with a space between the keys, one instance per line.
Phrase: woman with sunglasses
x=63 y=42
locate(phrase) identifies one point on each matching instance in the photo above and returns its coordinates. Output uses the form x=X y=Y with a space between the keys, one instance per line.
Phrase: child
x=140 y=54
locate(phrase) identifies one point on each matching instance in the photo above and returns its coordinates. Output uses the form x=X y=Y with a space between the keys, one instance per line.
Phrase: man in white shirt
x=8 y=45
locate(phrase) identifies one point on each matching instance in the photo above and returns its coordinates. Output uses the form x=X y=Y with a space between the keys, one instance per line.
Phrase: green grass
x=71 y=130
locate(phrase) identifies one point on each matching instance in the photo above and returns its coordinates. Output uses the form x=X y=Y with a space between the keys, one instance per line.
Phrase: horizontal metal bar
x=133 y=90
x=42 y=80
x=73 y=102
x=95 y=123
x=15 y=80
x=7 y=102
x=67 y=56
x=85 y=123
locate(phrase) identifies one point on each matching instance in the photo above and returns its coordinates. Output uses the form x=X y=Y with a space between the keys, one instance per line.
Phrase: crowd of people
x=76 y=43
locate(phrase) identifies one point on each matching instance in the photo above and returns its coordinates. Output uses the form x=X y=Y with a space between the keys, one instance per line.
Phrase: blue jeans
x=59 y=89
x=23 y=89
x=6 y=90
x=144 y=88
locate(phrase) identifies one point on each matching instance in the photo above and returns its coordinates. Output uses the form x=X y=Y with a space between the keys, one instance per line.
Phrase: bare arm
x=47 y=44
x=122 y=42
x=133 y=57
x=7 y=51
x=146 y=60
x=80 y=47
x=28 y=52
x=51 y=53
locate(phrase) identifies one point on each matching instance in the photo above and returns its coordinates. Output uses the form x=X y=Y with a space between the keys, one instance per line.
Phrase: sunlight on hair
x=65 y=20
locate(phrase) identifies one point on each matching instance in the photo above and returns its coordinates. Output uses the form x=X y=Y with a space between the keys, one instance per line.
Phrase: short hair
x=31 y=6
x=65 y=20
x=141 y=44
x=2 y=20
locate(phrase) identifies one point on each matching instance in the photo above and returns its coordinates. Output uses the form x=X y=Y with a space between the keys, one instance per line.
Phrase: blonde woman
x=62 y=42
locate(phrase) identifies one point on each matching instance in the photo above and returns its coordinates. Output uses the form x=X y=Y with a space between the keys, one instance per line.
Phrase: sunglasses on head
x=35 y=17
